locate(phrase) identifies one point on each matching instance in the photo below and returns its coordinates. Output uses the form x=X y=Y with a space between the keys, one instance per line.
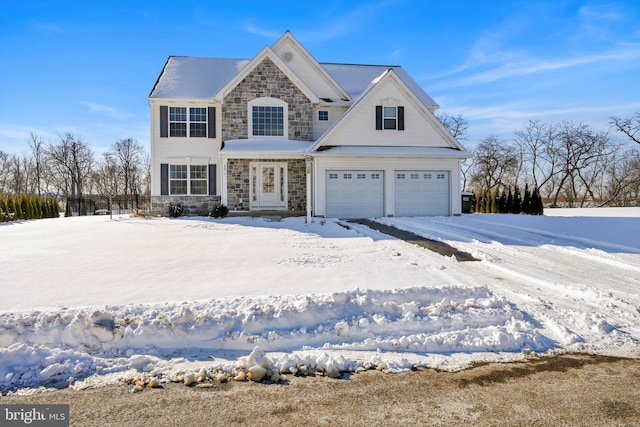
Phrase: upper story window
x=177 y=121
x=182 y=122
x=197 y=122
x=268 y=118
x=268 y=121
x=389 y=117
x=323 y=115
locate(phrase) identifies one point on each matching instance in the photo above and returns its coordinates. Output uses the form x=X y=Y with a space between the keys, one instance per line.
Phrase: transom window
x=188 y=179
x=323 y=115
x=197 y=123
x=268 y=120
x=389 y=117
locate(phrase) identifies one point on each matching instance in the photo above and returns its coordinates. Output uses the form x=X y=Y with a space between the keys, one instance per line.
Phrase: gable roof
x=385 y=78
x=265 y=53
x=305 y=65
x=203 y=78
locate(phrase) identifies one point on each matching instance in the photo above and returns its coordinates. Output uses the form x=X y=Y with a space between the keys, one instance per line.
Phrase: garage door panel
x=354 y=194
x=421 y=193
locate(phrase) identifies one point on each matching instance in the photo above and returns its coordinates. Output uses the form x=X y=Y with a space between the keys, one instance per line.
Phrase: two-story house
x=282 y=131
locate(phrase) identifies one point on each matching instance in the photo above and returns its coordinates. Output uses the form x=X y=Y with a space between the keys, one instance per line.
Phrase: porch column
x=223 y=186
x=309 y=165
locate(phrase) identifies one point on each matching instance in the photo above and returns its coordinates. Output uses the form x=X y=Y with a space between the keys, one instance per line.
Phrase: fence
x=99 y=205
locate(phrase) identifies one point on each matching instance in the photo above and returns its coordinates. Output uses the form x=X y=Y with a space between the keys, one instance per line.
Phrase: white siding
x=182 y=150
x=320 y=127
x=360 y=129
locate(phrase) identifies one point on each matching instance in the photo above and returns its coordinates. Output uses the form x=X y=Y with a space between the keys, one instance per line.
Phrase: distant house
x=281 y=131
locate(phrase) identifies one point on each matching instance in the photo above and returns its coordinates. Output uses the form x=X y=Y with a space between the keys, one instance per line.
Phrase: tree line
x=568 y=164
x=67 y=167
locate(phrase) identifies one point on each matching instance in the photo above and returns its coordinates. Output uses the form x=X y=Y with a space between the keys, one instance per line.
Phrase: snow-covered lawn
x=89 y=300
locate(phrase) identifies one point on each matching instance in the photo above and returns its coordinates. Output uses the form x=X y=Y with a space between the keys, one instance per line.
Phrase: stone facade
x=193 y=205
x=238 y=182
x=266 y=80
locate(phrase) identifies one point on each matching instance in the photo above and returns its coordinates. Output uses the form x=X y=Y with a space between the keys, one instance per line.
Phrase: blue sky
x=87 y=67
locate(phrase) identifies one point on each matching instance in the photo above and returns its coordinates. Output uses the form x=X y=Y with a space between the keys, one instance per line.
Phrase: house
x=281 y=131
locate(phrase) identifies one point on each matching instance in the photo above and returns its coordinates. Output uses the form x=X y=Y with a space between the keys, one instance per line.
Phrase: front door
x=269 y=185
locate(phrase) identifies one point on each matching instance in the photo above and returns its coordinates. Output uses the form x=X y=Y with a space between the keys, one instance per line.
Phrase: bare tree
x=71 y=162
x=539 y=143
x=627 y=125
x=582 y=153
x=126 y=155
x=37 y=151
x=106 y=180
x=495 y=165
x=457 y=125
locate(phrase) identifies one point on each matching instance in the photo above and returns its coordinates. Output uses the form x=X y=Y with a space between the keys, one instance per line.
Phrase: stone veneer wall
x=193 y=205
x=238 y=181
x=266 y=80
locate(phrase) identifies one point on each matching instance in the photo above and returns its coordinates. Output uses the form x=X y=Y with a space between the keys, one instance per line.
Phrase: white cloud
x=108 y=111
x=527 y=66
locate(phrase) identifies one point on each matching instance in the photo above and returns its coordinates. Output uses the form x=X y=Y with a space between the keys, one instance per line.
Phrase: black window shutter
x=378 y=117
x=164 y=179
x=164 y=121
x=400 y=118
x=211 y=115
x=212 y=180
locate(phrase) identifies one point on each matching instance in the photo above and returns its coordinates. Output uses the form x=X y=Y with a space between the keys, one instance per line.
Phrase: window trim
x=188 y=122
x=188 y=179
x=268 y=102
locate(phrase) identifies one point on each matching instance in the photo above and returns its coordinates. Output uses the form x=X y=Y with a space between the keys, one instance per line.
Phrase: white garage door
x=421 y=193
x=354 y=194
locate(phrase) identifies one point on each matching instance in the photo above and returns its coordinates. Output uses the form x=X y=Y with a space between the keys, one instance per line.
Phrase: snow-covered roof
x=201 y=78
x=371 y=151
x=195 y=78
x=265 y=145
x=356 y=78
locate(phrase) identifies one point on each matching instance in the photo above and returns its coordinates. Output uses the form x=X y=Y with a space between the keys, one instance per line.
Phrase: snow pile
x=89 y=301
x=56 y=348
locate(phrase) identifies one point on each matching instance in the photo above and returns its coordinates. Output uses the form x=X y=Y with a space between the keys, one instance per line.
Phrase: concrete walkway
x=433 y=245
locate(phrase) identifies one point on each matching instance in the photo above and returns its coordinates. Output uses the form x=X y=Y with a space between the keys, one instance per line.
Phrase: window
x=198 y=179
x=323 y=115
x=427 y=176
x=362 y=176
x=440 y=176
x=178 y=121
x=400 y=176
x=414 y=176
x=268 y=121
x=195 y=184
x=389 y=117
x=178 y=179
x=333 y=176
x=346 y=176
x=375 y=176
x=197 y=122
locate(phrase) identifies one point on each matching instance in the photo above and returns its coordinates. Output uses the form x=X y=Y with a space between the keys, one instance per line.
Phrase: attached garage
x=354 y=193
x=421 y=193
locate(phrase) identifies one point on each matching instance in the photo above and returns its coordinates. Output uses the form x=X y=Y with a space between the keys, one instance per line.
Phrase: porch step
x=272 y=215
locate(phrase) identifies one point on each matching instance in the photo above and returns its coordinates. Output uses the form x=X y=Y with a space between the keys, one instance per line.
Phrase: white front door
x=268 y=185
